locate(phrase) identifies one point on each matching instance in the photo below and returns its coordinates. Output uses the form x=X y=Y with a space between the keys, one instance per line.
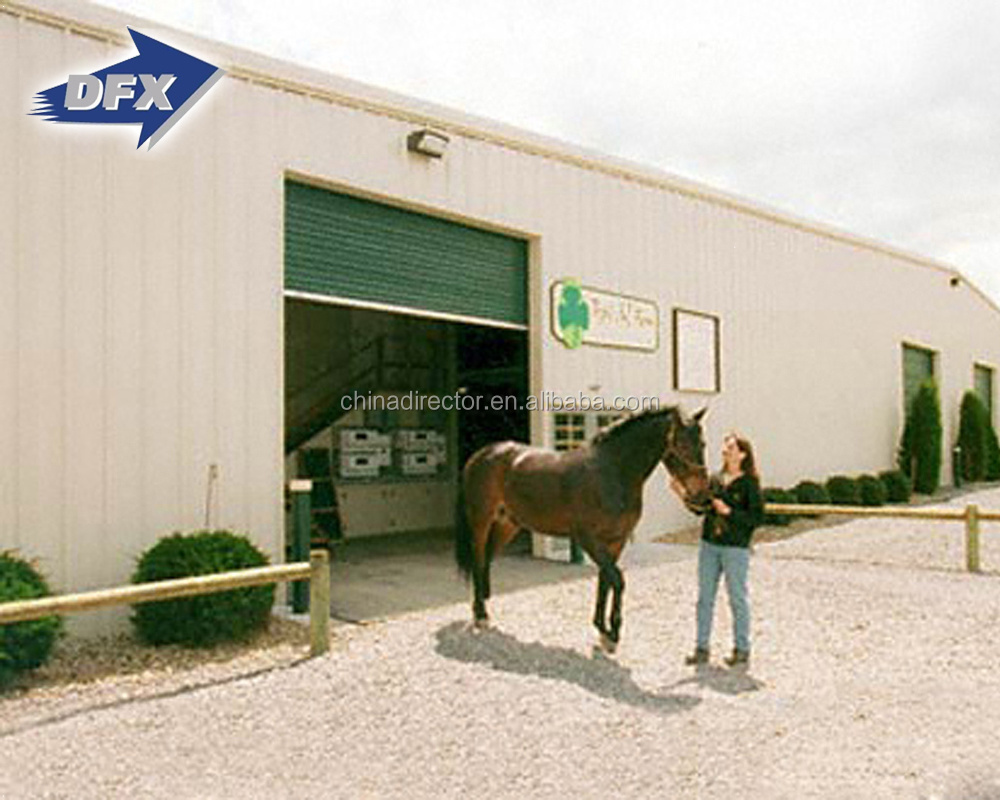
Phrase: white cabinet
x=369 y=509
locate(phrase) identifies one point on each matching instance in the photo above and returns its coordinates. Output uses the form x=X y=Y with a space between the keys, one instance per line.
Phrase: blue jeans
x=713 y=561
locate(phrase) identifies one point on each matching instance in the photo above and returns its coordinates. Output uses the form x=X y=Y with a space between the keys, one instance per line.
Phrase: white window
x=696 y=352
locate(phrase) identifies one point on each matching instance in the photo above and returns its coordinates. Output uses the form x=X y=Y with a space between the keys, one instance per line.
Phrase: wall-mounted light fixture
x=955 y=281
x=427 y=142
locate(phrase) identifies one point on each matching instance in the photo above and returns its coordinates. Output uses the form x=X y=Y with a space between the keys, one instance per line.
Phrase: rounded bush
x=843 y=491
x=872 y=491
x=24 y=645
x=811 y=493
x=207 y=619
x=897 y=486
x=773 y=494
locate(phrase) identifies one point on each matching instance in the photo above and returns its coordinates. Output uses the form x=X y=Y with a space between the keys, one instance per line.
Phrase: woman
x=727 y=530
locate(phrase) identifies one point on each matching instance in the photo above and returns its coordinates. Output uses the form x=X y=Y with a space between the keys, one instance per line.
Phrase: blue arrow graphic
x=154 y=89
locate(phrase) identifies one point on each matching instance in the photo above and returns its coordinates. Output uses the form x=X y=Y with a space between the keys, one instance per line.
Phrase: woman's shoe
x=699 y=656
x=739 y=657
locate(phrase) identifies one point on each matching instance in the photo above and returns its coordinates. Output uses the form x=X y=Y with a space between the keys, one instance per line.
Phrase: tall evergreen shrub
x=992 y=455
x=973 y=438
x=920 y=446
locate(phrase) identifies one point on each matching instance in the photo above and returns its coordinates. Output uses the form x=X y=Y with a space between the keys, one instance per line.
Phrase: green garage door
x=918 y=367
x=343 y=247
x=984 y=387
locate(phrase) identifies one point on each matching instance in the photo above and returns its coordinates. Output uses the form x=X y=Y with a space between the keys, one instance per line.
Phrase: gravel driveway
x=876 y=674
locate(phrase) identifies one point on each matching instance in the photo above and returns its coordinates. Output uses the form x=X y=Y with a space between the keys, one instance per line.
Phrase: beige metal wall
x=140 y=329
x=141 y=296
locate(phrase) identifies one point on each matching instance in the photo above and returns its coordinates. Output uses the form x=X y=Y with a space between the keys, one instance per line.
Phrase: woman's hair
x=749 y=465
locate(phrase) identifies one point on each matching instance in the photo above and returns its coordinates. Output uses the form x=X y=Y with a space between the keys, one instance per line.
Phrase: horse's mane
x=622 y=426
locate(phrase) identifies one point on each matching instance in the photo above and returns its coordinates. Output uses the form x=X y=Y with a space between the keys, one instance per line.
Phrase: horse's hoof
x=608 y=645
x=481 y=624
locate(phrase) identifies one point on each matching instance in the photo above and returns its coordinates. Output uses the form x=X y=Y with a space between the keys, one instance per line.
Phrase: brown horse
x=592 y=495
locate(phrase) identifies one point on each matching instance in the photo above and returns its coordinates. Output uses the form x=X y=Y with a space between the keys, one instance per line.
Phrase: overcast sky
x=878 y=117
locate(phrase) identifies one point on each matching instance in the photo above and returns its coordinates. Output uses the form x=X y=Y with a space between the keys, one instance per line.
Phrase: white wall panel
x=125 y=366
x=41 y=374
x=198 y=288
x=86 y=231
x=10 y=132
x=233 y=253
x=155 y=259
x=265 y=432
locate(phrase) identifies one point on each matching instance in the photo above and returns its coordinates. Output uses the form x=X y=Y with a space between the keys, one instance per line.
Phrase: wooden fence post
x=319 y=602
x=972 y=538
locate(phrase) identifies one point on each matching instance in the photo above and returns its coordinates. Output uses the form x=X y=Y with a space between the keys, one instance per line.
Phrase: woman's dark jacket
x=736 y=530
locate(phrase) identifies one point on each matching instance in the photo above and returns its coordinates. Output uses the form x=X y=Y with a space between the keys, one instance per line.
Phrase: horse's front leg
x=600 y=610
x=481 y=588
x=609 y=578
x=617 y=581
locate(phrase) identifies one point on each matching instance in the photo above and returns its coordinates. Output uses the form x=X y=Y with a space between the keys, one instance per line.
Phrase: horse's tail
x=464 y=549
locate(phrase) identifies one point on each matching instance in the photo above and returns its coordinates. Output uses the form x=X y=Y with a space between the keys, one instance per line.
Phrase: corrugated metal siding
x=40 y=453
x=346 y=247
x=83 y=508
x=10 y=529
x=140 y=330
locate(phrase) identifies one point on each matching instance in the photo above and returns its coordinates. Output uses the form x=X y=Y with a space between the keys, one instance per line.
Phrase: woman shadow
x=718 y=679
x=599 y=675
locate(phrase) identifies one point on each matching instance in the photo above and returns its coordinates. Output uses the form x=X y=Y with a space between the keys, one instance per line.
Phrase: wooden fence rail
x=316 y=571
x=971 y=515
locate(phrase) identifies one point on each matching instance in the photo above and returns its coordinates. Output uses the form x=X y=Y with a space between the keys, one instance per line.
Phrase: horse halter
x=680 y=467
x=674 y=462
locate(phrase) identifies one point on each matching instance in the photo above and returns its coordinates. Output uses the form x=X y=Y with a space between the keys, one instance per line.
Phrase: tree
x=972 y=437
x=920 y=447
x=992 y=455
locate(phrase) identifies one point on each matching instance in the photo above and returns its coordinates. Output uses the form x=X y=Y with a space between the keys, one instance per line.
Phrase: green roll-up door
x=918 y=367
x=344 y=247
x=984 y=387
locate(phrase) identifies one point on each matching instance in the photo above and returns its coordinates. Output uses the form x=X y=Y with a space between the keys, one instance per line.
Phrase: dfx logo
x=153 y=89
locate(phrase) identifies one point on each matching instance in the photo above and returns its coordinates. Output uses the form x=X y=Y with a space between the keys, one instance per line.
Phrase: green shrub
x=972 y=437
x=811 y=493
x=920 y=447
x=897 y=486
x=773 y=494
x=843 y=491
x=206 y=619
x=24 y=645
x=992 y=455
x=872 y=491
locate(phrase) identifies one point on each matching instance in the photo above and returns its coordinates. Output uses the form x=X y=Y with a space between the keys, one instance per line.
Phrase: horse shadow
x=600 y=675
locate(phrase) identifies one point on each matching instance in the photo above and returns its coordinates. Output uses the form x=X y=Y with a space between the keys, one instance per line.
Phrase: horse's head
x=684 y=458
